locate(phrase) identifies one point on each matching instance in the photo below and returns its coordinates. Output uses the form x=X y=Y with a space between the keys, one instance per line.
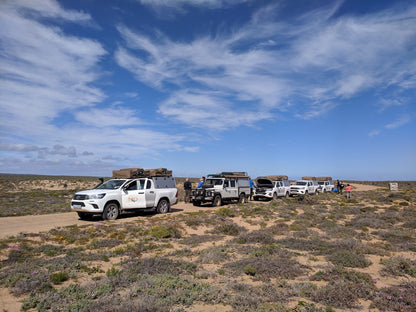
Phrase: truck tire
x=287 y=195
x=242 y=198
x=111 y=211
x=196 y=203
x=217 y=201
x=274 y=196
x=163 y=206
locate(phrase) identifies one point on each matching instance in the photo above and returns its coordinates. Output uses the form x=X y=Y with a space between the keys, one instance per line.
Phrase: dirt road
x=10 y=226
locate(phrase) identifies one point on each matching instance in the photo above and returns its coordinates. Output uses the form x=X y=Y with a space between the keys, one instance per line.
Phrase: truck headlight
x=96 y=196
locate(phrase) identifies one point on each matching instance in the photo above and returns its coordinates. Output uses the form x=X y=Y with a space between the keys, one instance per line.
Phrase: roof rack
x=228 y=174
x=131 y=173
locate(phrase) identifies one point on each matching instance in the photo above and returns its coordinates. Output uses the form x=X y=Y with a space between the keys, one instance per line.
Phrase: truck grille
x=80 y=197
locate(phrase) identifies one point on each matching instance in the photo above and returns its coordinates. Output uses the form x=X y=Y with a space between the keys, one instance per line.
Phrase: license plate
x=76 y=206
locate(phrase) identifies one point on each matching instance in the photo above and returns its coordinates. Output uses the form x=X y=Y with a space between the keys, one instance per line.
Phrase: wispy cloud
x=49 y=96
x=179 y=4
x=315 y=62
x=399 y=122
x=44 y=72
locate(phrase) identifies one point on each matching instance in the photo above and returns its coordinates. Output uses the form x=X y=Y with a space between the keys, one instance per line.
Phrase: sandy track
x=11 y=226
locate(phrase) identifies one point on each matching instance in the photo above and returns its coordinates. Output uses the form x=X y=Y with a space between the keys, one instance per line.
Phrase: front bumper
x=91 y=206
x=297 y=192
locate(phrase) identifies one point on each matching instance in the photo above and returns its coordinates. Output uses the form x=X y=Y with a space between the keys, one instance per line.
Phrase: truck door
x=230 y=189
x=280 y=190
x=133 y=195
x=150 y=194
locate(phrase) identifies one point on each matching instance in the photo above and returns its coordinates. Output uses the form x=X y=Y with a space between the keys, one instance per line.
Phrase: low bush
x=396 y=298
x=399 y=266
x=348 y=259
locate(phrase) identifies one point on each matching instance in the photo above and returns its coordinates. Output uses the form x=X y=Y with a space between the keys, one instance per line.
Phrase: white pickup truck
x=304 y=187
x=271 y=187
x=114 y=196
x=326 y=186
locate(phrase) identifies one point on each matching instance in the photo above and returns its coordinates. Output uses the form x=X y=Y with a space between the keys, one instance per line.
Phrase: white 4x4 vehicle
x=222 y=187
x=271 y=187
x=326 y=186
x=304 y=187
x=114 y=196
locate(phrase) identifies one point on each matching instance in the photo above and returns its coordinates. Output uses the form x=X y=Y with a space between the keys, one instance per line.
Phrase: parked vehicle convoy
x=304 y=187
x=146 y=190
x=222 y=188
x=272 y=187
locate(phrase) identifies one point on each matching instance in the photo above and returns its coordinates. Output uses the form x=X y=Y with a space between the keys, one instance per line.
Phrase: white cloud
x=315 y=60
x=49 y=99
x=45 y=8
x=178 y=4
x=209 y=111
x=398 y=123
x=101 y=117
x=44 y=72
x=401 y=121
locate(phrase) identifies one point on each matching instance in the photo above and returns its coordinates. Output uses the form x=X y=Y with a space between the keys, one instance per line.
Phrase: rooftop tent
x=131 y=173
x=324 y=178
x=277 y=177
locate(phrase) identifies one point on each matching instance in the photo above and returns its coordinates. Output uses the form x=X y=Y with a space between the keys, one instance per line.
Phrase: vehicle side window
x=149 y=184
x=140 y=185
x=132 y=186
x=232 y=183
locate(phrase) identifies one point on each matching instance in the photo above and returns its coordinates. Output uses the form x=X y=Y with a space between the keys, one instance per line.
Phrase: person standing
x=201 y=182
x=187 y=186
x=252 y=187
x=338 y=186
x=349 y=190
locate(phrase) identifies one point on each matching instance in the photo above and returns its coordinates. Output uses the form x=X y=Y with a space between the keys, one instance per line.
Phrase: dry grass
x=322 y=253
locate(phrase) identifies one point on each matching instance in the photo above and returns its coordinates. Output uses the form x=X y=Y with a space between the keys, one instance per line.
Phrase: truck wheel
x=197 y=203
x=83 y=215
x=217 y=201
x=287 y=195
x=163 y=206
x=274 y=196
x=110 y=212
x=242 y=198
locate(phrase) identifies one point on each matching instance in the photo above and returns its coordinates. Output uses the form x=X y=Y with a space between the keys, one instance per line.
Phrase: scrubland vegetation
x=314 y=253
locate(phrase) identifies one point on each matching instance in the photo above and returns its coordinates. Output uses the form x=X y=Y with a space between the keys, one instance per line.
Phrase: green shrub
x=159 y=232
x=225 y=212
x=349 y=259
x=250 y=270
x=59 y=277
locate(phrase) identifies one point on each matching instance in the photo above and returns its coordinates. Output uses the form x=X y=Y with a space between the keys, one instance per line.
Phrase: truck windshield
x=111 y=185
x=213 y=181
x=301 y=183
x=321 y=182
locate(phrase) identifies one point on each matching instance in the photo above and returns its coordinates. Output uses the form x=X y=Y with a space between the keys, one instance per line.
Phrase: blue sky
x=200 y=86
